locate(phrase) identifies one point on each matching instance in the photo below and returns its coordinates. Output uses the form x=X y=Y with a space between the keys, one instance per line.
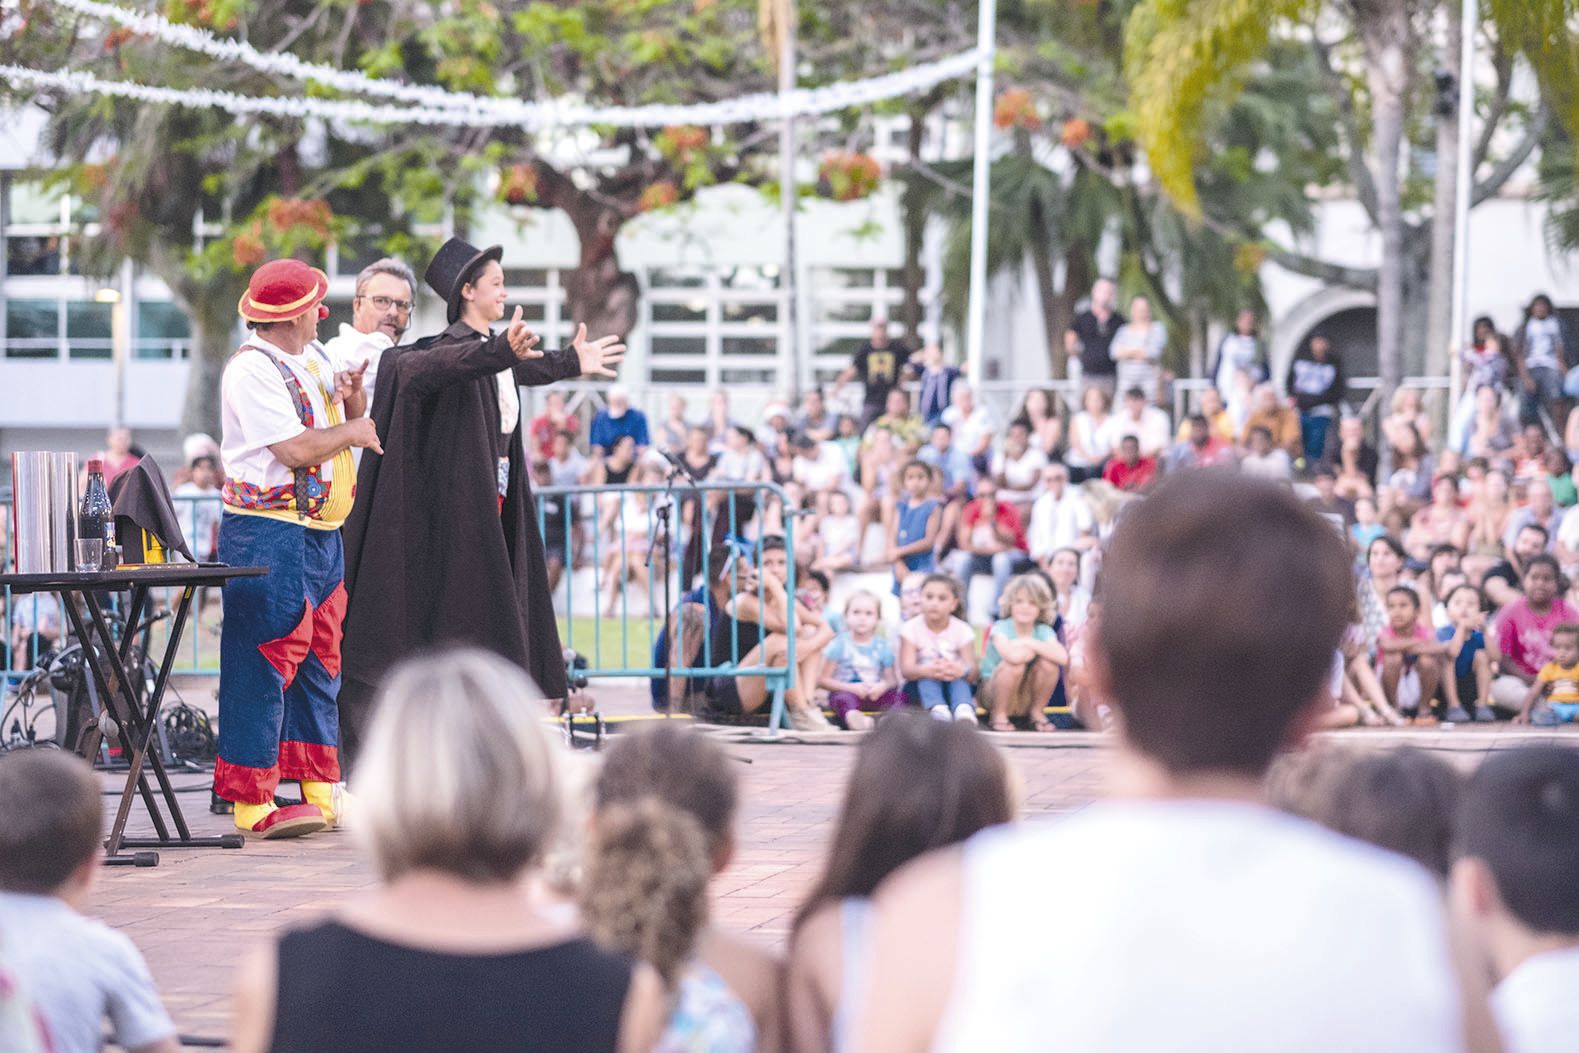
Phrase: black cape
x=429 y=557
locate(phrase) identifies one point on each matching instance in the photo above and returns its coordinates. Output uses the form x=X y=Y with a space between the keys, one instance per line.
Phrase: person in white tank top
x=1191 y=916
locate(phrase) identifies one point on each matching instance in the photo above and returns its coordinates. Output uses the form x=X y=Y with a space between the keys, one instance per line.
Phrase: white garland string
x=438 y=106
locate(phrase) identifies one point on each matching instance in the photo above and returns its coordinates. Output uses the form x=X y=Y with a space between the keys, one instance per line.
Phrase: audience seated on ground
x=448 y=952
x=77 y=973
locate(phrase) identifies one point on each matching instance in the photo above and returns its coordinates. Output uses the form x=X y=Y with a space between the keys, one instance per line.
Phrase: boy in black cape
x=443 y=545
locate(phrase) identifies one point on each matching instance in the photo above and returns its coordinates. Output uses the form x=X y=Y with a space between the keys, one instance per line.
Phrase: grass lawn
x=606 y=644
x=602 y=640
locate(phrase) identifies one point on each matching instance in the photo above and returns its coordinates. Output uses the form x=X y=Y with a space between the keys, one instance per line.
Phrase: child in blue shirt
x=917 y=518
x=1024 y=660
x=1465 y=636
x=858 y=668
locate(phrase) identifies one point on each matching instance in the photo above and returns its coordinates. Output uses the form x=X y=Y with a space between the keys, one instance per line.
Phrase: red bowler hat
x=284 y=289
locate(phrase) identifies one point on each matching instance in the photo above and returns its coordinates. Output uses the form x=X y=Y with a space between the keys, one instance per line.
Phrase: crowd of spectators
x=921 y=480
x=527 y=896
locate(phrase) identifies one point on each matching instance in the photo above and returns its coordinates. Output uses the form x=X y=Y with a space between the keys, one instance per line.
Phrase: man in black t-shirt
x=879 y=363
x=1090 y=336
x=1504 y=582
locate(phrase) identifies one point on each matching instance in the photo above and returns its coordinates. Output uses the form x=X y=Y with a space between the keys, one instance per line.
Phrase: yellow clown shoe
x=271 y=822
x=331 y=799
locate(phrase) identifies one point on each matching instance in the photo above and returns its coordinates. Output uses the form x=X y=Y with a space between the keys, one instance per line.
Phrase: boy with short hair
x=1207 y=921
x=77 y=970
x=1512 y=890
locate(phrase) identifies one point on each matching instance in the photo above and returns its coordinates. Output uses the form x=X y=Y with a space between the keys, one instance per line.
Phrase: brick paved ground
x=198 y=911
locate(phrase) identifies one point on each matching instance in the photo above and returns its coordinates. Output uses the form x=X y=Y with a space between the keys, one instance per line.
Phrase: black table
x=106 y=664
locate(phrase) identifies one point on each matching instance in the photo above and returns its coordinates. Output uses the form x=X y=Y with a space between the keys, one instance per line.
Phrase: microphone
x=680 y=466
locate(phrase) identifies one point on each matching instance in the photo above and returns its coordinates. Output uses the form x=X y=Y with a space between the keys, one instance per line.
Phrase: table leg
x=131 y=740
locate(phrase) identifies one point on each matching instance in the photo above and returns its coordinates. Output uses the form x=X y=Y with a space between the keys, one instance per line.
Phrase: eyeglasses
x=384 y=303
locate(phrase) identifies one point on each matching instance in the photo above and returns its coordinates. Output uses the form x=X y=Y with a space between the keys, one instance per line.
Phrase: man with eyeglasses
x=380 y=316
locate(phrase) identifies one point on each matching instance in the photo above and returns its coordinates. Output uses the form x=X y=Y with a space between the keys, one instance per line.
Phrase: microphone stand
x=677 y=468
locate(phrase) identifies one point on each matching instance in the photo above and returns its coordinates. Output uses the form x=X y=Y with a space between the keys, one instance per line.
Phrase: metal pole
x=976 y=316
x=787 y=199
x=1466 y=116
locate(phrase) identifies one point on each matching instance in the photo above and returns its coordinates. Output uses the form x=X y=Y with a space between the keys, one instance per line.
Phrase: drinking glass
x=90 y=555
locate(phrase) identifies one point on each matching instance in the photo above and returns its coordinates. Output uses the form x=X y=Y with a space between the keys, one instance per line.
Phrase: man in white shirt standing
x=380 y=316
x=1207 y=920
x=291 y=417
x=1513 y=891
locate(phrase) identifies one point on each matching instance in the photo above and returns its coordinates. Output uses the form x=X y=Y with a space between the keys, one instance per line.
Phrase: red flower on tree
x=1077 y=131
x=1015 y=108
x=849 y=176
x=661 y=194
x=518 y=185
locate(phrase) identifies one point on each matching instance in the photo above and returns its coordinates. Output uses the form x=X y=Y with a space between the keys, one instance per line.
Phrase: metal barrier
x=657 y=534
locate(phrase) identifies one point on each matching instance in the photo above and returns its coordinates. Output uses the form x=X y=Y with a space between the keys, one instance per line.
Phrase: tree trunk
x=598 y=293
x=213 y=341
x=1438 y=337
x=915 y=225
x=1385 y=33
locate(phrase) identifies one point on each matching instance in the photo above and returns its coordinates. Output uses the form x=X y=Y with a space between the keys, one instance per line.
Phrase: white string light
x=436 y=106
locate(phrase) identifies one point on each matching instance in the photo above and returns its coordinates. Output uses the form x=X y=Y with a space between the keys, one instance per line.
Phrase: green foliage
x=1181 y=56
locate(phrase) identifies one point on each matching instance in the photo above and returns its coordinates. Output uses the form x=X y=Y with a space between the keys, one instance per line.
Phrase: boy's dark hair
x=1539 y=529
x=50 y=819
x=940 y=426
x=1480 y=597
x=1220 y=693
x=680 y=767
x=1404 y=800
x=1262 y=430
x=1407 y=592
x=744 y=432
x=915 y=462
x=206 y=460
x=772 y=543
x=1134 y=393
x=1323 y=471
x=814 y=577
x=1566 y=629
x=1520 y=816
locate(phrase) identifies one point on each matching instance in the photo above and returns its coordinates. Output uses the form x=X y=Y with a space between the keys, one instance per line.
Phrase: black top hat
x=452 y=268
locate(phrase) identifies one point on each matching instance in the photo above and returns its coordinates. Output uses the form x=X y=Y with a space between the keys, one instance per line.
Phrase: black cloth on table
x=141 y=495
x=430 y=557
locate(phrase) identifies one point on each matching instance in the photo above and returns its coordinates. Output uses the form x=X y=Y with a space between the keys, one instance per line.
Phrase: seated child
x=1412 y=661
x=1557 y=682
x=811 y=588
x=1465 y=636
x=77 y=971
x=913 y=532
x=858 y=669
x=838 y=536
x=1024 y=660
x=937 y=650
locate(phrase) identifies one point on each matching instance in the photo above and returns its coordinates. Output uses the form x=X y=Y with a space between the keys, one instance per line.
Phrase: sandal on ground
x=1000 y=725
x=1042 y=725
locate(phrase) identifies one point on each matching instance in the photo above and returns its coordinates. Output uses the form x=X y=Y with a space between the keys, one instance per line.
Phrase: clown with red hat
x=290 y=421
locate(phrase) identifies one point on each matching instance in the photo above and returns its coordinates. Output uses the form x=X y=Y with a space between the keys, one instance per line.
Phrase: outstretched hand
x=600 y=357
x=523 y=342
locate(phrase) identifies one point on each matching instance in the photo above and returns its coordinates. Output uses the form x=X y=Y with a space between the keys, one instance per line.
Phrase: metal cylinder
x=43 y=509
x=63 y=511
x=30 y=511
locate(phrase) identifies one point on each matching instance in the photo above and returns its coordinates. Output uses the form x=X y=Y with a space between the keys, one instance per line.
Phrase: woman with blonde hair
x=1024 y=659
x=459 y=798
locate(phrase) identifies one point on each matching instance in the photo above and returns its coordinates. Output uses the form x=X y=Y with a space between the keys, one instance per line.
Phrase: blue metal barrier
x=617 y=530
x=624 y=528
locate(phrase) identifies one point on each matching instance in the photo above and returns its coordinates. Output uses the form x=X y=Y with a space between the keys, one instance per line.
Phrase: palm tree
x=1183 y=59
